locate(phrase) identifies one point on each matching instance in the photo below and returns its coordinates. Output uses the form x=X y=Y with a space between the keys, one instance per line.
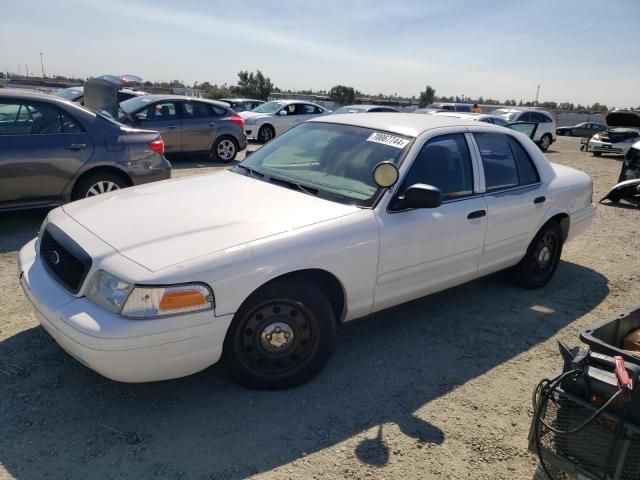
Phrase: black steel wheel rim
x=276 y=337
x=544 y=256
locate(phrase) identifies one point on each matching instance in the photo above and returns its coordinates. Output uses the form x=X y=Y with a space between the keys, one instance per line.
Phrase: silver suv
x=545 y=134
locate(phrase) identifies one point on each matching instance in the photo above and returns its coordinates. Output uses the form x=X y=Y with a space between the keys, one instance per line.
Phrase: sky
x=580 y=51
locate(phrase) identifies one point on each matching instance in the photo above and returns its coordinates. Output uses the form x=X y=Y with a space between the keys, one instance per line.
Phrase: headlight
x=42 y=227
x=133 y=301
x=108 y=291
x=148 y=302
x=250 y=121
x=596 y=137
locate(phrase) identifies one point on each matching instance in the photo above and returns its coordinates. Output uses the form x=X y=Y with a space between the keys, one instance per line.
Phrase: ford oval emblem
x=55 y=257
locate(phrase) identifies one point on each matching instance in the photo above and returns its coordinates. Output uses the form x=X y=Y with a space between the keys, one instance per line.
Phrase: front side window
x=443 y=162
x=328 y=160
x=506 y=164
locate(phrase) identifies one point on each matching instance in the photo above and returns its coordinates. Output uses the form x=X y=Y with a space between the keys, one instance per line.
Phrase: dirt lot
x=439 y=388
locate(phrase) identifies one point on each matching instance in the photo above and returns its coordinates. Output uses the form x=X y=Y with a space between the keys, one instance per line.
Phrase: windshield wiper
x=251 y=171
x=297 y=186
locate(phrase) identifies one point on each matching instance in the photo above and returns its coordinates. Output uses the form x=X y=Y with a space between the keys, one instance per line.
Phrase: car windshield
x=269 y=107
x=350 y=110
x=329 y=160
x=506 y=114
x=68 y=93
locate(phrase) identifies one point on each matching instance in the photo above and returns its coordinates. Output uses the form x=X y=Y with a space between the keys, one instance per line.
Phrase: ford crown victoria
x=340 y=217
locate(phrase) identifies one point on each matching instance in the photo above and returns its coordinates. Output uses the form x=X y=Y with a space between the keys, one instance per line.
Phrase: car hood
x=166 y=223
x=250 y=114
x=623 y=119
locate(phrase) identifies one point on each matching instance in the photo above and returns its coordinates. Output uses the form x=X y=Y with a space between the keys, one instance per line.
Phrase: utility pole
x=537 y=93
x=42 y=64
x=27 y=68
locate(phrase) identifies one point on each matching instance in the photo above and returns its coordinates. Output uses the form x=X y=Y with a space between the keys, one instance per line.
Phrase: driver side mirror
x=282 y=112
x=418 y=195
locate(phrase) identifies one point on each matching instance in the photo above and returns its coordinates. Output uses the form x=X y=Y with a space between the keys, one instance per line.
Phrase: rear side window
x=506 y=163
x=498 y=161
x=197 y=110
x=443 y=162
x=525 y=117
x=35 y=118
x=539 y=118
x=527 y=173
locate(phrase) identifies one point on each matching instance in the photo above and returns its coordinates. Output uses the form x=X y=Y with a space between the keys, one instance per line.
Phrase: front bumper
x=118 y=348
x=608 y=147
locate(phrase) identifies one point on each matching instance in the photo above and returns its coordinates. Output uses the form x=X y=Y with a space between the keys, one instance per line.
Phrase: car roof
x=367 y=106
x=27 y=94
x=241 y=100
x=409 y=124
x=155 y=97
x=289 y=102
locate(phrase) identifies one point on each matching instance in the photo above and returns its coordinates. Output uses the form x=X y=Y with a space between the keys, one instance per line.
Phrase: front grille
x=64 y=259
x=606 y=448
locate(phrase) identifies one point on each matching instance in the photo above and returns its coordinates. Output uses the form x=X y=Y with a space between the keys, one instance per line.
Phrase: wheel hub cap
x=276 y=336
x=102 y=187
x=544 y=256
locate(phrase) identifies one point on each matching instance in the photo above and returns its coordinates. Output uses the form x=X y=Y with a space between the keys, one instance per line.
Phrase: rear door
x=163 y=116
x=516 y=200
x=41 y=148
x=200 y=125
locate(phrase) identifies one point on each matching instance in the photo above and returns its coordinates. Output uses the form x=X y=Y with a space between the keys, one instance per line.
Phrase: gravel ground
x=438 y=388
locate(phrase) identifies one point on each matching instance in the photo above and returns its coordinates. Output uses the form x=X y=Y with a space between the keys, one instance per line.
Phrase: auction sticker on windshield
x=386 y=139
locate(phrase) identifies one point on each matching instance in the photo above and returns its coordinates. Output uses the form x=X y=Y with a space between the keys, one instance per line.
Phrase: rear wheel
x=568 y=133
x=282 y=336
x=97 y=184
x=542 y=257
x=266 y=133
x=224 y=149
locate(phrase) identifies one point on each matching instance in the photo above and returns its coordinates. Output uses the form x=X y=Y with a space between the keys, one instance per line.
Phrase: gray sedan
x=584 y=129
x=189 y=124
x=53 y=151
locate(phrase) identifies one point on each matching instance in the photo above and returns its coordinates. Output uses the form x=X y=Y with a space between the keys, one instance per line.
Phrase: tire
x=302 y=318
x=266 y=133
x=542 y=257
x=597 y=154
x=568 y=133
x=98 y=183
x=540 y=474
x=545 y=142
x=224 y=149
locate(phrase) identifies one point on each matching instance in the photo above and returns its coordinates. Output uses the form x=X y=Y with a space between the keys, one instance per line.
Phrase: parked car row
x=53 y=151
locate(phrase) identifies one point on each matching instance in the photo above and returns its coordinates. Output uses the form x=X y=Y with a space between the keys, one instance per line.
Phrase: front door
x=426 y=250
x=163 y=116
x=41 y=148
x=284 y=121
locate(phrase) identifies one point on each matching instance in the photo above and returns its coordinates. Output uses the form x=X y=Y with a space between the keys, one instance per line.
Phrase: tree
x=253 y=85
x=342 y=94
x=427 y=97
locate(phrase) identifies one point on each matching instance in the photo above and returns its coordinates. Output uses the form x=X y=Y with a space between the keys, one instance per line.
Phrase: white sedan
x=274 y=118
x=338 y=218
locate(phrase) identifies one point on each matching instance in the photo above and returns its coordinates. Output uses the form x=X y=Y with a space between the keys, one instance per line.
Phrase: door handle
x=171 y=127
x=76 y=146
x=477 y=214
x=540 y=200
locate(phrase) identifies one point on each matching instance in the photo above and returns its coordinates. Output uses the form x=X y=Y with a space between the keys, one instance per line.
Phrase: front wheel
x=266 y=133
x=282 y=336
x=542 y=257
x=597 y=154
x=545 y=142
x=568 y=133
x=224 y=149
